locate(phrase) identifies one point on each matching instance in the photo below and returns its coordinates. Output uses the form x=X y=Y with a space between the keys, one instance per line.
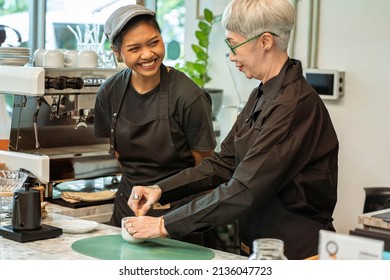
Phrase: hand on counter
x=145 y=227
x=142 y=198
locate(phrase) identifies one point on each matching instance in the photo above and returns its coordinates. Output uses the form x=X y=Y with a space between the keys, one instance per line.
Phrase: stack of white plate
x=16 y=56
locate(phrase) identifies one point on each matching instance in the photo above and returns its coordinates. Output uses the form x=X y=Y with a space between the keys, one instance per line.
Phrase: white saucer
x=13 y=61
x=76 y=226
x=14 y=50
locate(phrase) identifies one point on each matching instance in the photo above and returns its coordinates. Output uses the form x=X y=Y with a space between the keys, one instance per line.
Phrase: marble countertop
x=59 y=248
x=368 y=221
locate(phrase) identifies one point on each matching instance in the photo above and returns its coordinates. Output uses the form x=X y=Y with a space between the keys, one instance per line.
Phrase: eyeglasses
x=232 y=49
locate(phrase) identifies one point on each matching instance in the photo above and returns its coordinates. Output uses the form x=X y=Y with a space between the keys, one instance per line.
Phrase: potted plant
x=198 y=70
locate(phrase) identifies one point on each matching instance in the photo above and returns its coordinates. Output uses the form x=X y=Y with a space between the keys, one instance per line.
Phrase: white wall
x=222 y=71
x=354 y=36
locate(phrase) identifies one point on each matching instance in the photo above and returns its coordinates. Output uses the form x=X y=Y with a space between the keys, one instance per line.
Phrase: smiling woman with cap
x=158 y=120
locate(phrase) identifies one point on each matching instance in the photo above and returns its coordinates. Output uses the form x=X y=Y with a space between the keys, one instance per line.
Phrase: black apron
x=273 y=219
x=146 y=152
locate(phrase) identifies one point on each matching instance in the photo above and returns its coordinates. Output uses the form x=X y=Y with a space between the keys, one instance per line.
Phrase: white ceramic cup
x=87 y=59
x=53 y=59
x=71 y=58
x=126 y=235
x=38 y=57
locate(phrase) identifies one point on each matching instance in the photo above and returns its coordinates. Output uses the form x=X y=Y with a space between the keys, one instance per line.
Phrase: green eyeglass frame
x=232 y=49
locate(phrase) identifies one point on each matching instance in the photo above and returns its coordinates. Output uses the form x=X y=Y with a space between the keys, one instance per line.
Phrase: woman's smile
x=149 y=63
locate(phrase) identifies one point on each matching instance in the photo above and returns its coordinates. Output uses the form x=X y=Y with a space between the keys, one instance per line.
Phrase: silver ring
x=136 y=197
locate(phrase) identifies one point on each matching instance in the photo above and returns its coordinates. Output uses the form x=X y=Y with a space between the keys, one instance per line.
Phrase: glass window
x=171 y=18
x=14 y=23
x=65 y=18
x=14 y=32
x=64 y=15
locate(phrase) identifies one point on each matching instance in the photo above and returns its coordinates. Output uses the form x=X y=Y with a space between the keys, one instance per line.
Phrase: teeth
x=146 y=64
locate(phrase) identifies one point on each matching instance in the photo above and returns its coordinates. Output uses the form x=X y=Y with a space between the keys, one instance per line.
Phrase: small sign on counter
x=336 y=246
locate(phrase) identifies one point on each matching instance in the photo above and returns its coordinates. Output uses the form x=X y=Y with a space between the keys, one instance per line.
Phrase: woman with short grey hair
x=250 y=19
x=277 y=169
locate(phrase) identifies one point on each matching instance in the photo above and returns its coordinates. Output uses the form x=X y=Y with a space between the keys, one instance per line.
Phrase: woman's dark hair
x=149 y=19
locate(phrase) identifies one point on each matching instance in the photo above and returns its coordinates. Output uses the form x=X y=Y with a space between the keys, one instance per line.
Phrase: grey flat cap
x=120 y=17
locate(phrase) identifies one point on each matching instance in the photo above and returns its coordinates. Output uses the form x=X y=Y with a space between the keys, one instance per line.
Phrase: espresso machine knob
x=74 y=82
x=56 y=82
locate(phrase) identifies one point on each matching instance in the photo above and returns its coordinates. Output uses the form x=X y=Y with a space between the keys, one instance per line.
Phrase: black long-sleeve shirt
x=276 y=172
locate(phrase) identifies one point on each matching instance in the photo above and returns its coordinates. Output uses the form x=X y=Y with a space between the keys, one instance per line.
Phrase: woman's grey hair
x=252 y=17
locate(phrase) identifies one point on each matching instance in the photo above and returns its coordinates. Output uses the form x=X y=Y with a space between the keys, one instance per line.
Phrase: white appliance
x=51 y=134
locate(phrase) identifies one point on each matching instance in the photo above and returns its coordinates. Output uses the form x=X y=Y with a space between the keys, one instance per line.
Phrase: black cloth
x=152 y=142
x=276 y=172
x=189 y=110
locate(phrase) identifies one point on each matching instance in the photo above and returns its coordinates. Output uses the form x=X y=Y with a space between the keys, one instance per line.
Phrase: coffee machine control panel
x=75 y=81
x=63 y=82
x=38 y=81
x=93 y=81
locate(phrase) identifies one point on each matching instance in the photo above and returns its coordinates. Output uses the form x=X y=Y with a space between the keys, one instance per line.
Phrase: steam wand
x=35 y=123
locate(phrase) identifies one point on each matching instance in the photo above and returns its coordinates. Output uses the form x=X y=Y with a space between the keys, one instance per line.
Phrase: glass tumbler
x=10 y=181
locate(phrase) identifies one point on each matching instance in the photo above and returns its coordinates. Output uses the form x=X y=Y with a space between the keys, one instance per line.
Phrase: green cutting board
x=113 y=247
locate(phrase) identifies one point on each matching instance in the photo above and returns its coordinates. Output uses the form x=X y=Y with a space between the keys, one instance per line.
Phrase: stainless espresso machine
x=51 y=135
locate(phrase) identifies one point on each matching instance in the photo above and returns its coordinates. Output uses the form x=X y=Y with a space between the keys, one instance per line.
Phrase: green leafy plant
x=197 y=70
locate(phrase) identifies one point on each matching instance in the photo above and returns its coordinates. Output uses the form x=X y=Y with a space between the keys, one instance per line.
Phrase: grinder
x=26 y=209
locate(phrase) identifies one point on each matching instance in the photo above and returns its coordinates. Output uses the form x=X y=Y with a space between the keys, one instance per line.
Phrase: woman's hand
x=142 y=198
x=146 y=227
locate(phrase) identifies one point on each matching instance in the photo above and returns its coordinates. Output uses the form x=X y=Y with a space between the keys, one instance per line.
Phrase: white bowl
x=76 y=226
x=126 y=235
